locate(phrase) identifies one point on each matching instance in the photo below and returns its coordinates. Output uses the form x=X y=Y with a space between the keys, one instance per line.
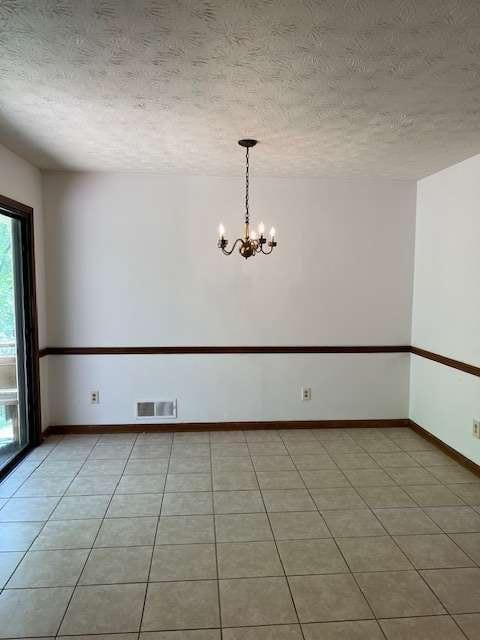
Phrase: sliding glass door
x=19 y=408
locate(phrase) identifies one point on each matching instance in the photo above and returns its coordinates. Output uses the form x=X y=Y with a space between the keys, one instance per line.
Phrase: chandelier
x=251 y=243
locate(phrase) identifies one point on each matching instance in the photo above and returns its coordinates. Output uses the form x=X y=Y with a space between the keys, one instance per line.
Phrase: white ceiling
x=333 y=87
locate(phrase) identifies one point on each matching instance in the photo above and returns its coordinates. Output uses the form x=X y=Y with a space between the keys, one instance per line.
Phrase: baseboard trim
x=450 y=451
x=225 y=426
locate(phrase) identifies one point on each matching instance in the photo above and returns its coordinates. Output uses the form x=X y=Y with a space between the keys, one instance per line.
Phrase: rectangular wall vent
x=156 y=409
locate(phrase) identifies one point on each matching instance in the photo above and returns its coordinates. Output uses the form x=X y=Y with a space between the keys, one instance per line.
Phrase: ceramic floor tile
x=470 y=625
x=33 y=613
x=458 y=589
x=126 y=532
x=355 y=461
x=67 y=534
x=433 y=495
x=470 y=543
x=353 y=523
x=406 y=521
x=146 y=467
x=48 y=486
x=469 y=493
x=115 y=608
x=27 y=509
x=92 y=485
x=415 y=475
x=79 y=507
x=373 y=554
x=256 y=601
x=453 y=475
x=149 y=452
x=230 y=450
x=295 y=525
x=267 y=449
x=234 y=480
x=312 y=461
x=49 y=569
x=181 y=450
x=322 y=478
x=280 y=480
x=181 y=605
x=288 y=500
x=393 y=594
x=273 y=463
x=190 y=465
x=337 y=498
x=454 y=519
x=357 y=630
x=395 y=459
x=328 y=598
x=369 y=478
x=135 y=505
x=8 y=563
x=276 y=632
x=248 y=560
x=185 y=529
x=377 y=497
x=235 y=464
x=18 y=536
x=102 y=467
x=189 y=482
x=428 y=628
x=227 y=437
x=246 y=527
x=433 y=459
x=57 y=467
x=141 y=484
x=119 y=564
x=433 y=552
x=183 y=562
x=306 y=557
x=184 y=503
x=238 y=502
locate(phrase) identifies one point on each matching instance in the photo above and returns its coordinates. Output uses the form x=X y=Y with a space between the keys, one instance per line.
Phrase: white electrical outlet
x=476 y=428
x=306 y=394
x=95 y=397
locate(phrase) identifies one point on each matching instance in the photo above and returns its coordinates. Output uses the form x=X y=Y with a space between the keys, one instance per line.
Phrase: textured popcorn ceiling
x=333 y=87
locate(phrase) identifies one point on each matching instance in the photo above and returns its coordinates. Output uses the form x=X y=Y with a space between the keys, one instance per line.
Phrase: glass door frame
x=32 y=410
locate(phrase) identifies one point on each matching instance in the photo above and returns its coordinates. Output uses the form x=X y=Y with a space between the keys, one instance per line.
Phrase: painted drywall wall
x=446 y=309
x=132 y=261
x=22 y=181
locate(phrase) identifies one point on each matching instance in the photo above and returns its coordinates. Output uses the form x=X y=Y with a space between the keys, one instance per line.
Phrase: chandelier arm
x=229 y=253
x=267 y=253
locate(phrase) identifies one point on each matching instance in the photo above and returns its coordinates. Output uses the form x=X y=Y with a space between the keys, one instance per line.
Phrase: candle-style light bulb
x=261 y=228
x=253 y=235
x=272 y=233
x=221 y=230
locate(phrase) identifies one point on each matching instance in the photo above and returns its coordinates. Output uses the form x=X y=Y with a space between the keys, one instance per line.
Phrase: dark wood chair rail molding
x=92 y=351
x=89 y=351
x=448 y=362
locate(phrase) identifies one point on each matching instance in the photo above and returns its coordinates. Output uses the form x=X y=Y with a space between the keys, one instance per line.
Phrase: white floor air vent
x=156 y=409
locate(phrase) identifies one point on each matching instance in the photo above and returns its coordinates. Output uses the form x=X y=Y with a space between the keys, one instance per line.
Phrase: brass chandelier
x=250 y=244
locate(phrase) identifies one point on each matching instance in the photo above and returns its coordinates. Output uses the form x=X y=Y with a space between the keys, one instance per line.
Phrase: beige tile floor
x=354 y=534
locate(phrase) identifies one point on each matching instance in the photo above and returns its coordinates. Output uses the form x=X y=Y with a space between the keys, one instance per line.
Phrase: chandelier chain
x=247 y=181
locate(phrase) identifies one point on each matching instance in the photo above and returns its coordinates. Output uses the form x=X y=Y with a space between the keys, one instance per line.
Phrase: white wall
x=446 y=310
x=132 y=261
x=22 y=181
